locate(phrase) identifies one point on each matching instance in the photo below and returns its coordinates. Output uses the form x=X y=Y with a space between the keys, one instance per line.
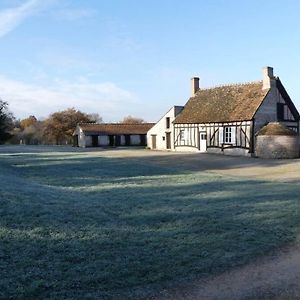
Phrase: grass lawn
x=78 y=226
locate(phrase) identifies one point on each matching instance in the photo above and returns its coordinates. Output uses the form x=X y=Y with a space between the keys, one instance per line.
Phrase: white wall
x=160 y=129
x=81 y=137
x=135 y=140
x=88 y=141
x=103 y=140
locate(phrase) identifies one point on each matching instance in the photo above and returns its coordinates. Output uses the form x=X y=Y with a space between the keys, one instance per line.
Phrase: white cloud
x=10 y=18
x=107 y=99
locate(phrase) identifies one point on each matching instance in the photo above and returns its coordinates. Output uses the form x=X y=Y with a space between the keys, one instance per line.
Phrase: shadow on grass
x=108 y=228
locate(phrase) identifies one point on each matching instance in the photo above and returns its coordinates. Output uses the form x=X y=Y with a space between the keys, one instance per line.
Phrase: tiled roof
x=223 y=104
x=115 y=128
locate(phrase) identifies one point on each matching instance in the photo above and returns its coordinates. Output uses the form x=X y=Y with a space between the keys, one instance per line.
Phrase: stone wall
x=277 y=146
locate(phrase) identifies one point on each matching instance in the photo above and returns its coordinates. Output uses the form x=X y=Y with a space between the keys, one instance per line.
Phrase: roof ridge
x=87 y=123
x=231 y=84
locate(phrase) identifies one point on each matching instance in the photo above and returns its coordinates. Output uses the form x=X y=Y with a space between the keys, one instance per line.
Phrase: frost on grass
x=78 y=226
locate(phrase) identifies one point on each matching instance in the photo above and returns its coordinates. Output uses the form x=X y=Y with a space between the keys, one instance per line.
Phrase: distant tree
x=59 y=127
x=95 y=118
x=31 y=120
x=6 y=122
x=132 y=120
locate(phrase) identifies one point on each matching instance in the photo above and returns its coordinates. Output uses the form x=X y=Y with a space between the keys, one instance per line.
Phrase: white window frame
x=229 y=135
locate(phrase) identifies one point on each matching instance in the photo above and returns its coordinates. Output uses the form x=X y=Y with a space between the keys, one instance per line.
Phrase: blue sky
x=135 y=57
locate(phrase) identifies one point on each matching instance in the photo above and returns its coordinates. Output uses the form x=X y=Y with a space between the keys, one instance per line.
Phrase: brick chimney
x=268 y=78
x=195 y=85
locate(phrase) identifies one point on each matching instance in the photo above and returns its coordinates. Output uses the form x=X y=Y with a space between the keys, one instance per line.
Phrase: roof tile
x=223 y=104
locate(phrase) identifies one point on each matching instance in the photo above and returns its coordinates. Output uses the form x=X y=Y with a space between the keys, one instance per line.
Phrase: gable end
x=287 y=99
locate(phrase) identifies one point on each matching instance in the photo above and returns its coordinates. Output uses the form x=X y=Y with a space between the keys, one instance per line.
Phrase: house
x=161 y=135
x=225 y=119
x=110 y=135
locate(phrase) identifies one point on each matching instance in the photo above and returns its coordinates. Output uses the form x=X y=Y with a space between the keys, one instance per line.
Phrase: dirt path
x=272 y=277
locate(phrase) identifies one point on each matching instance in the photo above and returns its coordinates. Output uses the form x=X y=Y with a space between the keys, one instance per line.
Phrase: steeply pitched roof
x=223 y=104
x=115 y=128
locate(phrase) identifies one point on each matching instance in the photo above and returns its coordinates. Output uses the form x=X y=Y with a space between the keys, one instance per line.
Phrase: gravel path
x=272 y=277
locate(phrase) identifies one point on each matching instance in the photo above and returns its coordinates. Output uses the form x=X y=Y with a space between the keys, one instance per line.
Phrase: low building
x=111 y=135
x=161 y=135
x=225 y=119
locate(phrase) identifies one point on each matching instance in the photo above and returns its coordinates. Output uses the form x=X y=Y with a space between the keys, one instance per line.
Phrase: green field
x=81 y=226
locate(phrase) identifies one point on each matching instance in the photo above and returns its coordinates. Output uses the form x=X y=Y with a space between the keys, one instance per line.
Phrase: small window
x=280 y=111
x=182 y=134
x=203 y=136
x=228 y=135
x=293 y=128
x=167 y=122
x=163 y=138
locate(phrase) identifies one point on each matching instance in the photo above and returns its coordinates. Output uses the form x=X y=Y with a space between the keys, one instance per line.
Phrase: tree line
x=57 y=129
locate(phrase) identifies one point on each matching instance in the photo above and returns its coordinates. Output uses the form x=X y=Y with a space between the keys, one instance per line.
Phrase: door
x=153 y=141
x=95 y=140
x=168 y=140
x=202 y=141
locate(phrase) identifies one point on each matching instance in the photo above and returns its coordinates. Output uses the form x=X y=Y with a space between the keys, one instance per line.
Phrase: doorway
x=117 y=140
x=95 y=141
x=168 y=140
x=202 y=141
x=143 y=139
x=75 y=141
x=127 y=140
x=153 y=141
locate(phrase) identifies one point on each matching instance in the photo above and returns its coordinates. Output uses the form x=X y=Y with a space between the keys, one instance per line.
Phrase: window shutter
x=221 y=130
x=186 y=134
x=233 y=137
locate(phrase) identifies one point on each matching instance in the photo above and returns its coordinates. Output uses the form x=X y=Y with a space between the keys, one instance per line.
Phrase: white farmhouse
x=161 y=135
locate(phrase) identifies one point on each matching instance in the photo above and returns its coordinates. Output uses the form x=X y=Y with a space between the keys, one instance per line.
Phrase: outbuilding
x=275 y=140
x=110 y=135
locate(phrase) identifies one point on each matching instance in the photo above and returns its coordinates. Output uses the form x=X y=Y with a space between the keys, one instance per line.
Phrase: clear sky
x=136 y=57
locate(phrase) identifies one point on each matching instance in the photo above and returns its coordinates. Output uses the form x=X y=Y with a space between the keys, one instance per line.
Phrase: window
x=182 y=134
x=203 y=136
x=280 y=111
x=228 y=135
x=167 y=122
x=293 y=128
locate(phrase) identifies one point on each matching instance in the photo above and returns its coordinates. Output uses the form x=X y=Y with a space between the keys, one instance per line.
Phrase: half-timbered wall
x=234 y=138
